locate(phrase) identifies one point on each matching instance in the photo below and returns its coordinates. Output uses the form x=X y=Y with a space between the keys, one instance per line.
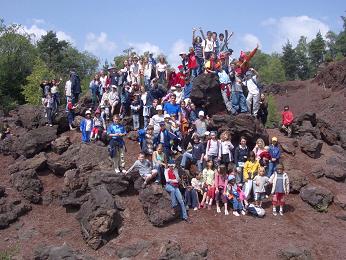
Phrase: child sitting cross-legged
x=143 y=166
x=232 y=195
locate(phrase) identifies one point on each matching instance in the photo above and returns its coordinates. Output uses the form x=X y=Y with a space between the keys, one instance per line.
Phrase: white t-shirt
x=103 y=80
x=68 y=88
x=54 y=89
x=134 y=69
x=88 y=124
x=155 y=121
x=251 y=86
x=212 y=147
x=208 y=45
x=147 y=70
x=161 y=67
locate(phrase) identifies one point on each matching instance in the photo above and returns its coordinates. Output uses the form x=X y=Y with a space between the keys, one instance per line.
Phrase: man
x=201 y=124
x=208 y=46
x=275 y=155
x=287 y=120
x=253 y=97
x=172 y=107
x=75 y=86
x=238 y=98
x=164 y=137
x=117 y=145
x=156 y=92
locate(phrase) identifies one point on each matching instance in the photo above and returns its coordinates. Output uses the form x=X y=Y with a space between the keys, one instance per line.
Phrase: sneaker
x=275 y=213
x=50 y=125
x=226 y=212
x=117 y=171
x=123 y=171
x=195 y=209
x=281 y=213
x=243 y=212
x=235 y=213
x=202 y=206
x=267 y=196
x=218 y=210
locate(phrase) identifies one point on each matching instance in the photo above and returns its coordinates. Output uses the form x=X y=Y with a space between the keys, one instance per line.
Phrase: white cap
x=201 y=113
x=182 y=52
x=158 y=107
x=187 y=100
x=88 y=112
x=166 y=116
x=206 y=133
x=173 y=88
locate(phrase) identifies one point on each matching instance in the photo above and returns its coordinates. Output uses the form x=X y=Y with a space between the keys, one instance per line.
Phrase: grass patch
x=9 y=253
x=274 y=117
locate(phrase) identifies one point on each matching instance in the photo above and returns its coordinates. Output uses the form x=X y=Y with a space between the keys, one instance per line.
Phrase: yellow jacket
x=249 y=169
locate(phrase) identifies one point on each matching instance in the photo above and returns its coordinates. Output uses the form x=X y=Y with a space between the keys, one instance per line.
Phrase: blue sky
x=106 y=27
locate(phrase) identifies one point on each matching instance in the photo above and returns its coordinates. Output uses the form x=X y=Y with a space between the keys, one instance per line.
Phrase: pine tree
x=289 y=61
x=303 y=64
x=317 y=51
x=331 y=45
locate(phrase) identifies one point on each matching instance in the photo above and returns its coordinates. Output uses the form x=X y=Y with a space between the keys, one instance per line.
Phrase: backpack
x=141 y=135
x=256 y=211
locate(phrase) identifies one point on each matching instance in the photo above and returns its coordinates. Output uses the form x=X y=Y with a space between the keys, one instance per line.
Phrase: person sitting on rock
x=195 y=156
x=191 y=192
x=251 y=167
x=287 y=120
x=274 y=151
x=172 y=187
x=144 y=168
x=280 y=188
x=86 y=126
x=99 y=125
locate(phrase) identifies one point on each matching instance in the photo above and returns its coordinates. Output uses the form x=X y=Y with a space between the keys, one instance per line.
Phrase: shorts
x=259 y=196
x=211 y=192
x=278 y=199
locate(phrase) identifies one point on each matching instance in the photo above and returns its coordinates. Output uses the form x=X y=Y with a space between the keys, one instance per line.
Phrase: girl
x=145 y=104
x=208 y=184
x=281 y=187
x=198 y=50
x=220 y=182
x=135 y=106
x=259 y=148
x=184 y=118
x=70 y=112
x=225 y=151
x=49 y=104
x=251 y=167
x=212 y=148
x=113 y=98
x=232 y=195
x=161 y=70
x=159 y=162
x=99 y=126
x=191 y=193
x=172 y=187
x=260 y=182
x=192 y=63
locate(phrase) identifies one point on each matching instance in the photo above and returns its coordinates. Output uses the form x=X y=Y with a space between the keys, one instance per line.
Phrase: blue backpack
x=141 y=135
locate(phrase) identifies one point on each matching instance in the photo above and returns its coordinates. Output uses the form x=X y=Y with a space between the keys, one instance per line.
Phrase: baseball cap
x=206 y=133
x=166 y=116
x=274 y=139
x=88 y=112
x=201 y=113
x=158 y=107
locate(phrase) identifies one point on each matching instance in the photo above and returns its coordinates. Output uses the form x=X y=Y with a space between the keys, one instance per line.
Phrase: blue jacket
x=85 y=134
x=117 y=129
x=75 y=83
x=167 y=137
x=275 y=152
x=187 y=90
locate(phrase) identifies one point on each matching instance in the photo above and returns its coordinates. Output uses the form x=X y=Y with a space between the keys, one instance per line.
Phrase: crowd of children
x=169 y=124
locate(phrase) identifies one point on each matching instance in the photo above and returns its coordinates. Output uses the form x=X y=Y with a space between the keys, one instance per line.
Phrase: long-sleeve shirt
x=250 y=168
x=274 y=152
x=208 y=176
x=226 y=147
x=172 y=176
x=220 y=181
x=143 y=167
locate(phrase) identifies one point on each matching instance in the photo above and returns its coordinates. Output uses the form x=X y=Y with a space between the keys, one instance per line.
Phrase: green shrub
x=273 y=113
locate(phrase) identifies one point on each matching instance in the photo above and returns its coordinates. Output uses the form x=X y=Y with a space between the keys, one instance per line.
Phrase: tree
x=331 y=46
x=119 y=61
x=289 y=61
x=316 y=51
x=51 y=51
x=260 y=60
x=32 y=91
x=17 y=56
x=303 y=64
x=341 y=40
x=273 y=72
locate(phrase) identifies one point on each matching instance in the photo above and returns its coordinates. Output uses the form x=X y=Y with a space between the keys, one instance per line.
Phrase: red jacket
x=180 y=79
x=192 y=63
x=287 y=117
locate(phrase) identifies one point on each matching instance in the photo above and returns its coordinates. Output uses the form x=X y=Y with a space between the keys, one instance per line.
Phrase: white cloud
x=99 y=43
x=250 y=41
x=292 y=27
x=142 y=47
x=38 y=21
x=178 y=46
x=37 y=32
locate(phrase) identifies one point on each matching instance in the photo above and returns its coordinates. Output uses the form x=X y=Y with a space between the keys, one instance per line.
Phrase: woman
x=161 y=70
x=251 y=167
x=262 y=113
x=259 y=148
x=147 y=71
x=198 y=49
x=159 y=162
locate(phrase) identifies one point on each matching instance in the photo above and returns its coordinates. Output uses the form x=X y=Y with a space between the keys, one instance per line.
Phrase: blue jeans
x=238 y=102
x=194 y=73
x=237 y=205
x=176 y=198
x=271 y=168
x=200 y=62
x=135 y=119
x=70 y=117
x=162 y=77
x=146 y=83
x=191 y=198
x=188 y=156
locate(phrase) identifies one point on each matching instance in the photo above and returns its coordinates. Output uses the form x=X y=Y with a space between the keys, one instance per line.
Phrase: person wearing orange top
x=243 y=63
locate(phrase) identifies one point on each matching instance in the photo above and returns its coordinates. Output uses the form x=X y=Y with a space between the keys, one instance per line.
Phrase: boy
x=260 y=182
x=287 y=120
x=144 y=168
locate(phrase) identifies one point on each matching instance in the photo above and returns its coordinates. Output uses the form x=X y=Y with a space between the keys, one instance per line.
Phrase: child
x=86 y=126
x=49 y=103
x=106 y=110
x=99 y=126
x=159 y=162
x=287 y=120
x=191 y=193
x=225 y=149
x=260 y=182
x=221 y=179
x=281 y=187
x=143 y=166
x=172 y=187
x=212 y=148
x=135 y=107
x=70 y=112
x=250 y=171
x=232 y=195
x=192 y=63
x=208 y=183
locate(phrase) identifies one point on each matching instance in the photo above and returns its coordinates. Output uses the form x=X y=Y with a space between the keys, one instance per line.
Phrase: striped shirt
x=198 y=50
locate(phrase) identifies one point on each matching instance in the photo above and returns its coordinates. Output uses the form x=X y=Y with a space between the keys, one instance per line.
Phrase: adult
x=75 y=86
x=161 y=70
x=238 y=98
x=117 y=145
x=201 y=124
x=275 y=153
x=134 y=71
x=68 y=90
x=196 y=155
x=253 y=97
x=94 y=87
x=157 y=119
x=262 y=113
x=164 y=137
x=240 y=156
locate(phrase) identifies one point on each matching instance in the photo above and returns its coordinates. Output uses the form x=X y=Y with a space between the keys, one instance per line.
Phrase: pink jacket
x=220 y=181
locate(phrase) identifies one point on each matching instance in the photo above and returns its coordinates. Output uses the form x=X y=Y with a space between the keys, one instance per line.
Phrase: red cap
x=180 y=67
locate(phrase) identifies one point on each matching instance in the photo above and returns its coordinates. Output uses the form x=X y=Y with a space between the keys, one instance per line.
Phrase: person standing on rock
x=275 y=154
x=86 y=127
x=253 y=97
x=117 y=145
x=280 y=188
x=262 y=113
x=287 y=120
x=75 y=86
x=225 y=86
x=238 y=98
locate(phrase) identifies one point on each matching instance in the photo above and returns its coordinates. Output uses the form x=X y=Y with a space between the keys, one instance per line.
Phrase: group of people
x=169 y=124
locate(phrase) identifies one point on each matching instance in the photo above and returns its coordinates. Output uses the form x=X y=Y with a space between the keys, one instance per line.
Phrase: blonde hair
x=260 y=140
x=225 y=135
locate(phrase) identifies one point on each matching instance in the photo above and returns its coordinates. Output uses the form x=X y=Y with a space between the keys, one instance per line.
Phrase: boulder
x=61 y=144
x=328 y=134
x=172 y=250
x=58 y=253
x=34 y=141
x=2 y=192
x=77 y=120
x=340 y=200
x=308 y=116
x=156 y=204
x=37 y=163
x=294 y=253
x=335 y=173
x=317 y=197
x=342 y=136
x=134 y=249
x=206 y=94
x=318 y=171
x=11 y=210
x=6 y=146
x=338 y=149
x=61 y=120
x=115 y=184
x=311 y=146
x=28 y=184
x=297 y=181
x=99 y=218
x=29 y=116
x=307 y=127
x=337 y=161
x=240 y=125
x=288 y=148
